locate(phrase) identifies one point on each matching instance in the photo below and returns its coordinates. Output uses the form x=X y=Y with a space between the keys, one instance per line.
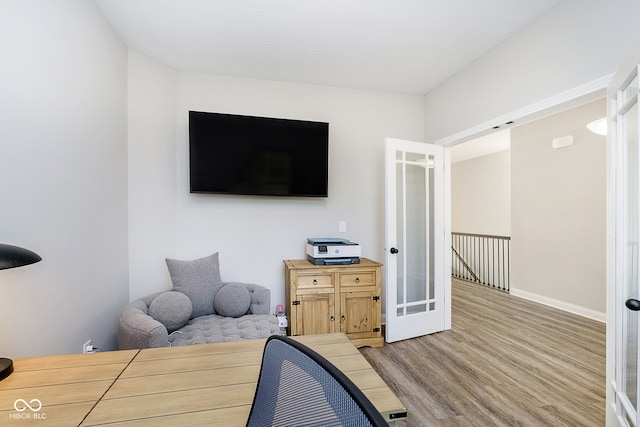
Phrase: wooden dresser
x=340 y=298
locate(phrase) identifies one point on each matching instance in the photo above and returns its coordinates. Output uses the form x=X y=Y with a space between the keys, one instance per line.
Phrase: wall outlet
x=342 y=226
x=87 y=347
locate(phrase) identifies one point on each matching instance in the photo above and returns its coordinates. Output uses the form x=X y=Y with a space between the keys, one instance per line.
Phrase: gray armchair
x=199 y=309
x=138 y=329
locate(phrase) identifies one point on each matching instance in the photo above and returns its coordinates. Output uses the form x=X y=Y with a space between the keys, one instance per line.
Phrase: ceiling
x=404 y=46
x=482 y=146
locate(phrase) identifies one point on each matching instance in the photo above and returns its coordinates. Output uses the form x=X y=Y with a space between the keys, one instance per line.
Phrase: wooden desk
x=209 y=384
x=66 y=387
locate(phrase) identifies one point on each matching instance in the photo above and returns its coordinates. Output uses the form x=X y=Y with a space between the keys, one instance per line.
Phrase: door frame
x=614 y=218
x=590 y=91
x=595 y=89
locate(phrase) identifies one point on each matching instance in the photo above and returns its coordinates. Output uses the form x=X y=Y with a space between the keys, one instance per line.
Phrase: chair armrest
x=136 y=329
x=260 y=299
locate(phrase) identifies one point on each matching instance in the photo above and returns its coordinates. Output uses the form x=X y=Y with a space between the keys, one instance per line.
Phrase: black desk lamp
x=11 y=257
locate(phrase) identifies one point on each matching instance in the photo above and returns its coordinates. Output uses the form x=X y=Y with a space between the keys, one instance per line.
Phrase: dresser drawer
x=316 y=281
x=363 y=278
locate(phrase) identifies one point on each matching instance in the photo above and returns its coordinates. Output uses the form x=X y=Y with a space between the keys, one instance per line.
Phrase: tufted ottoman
x=214 y=328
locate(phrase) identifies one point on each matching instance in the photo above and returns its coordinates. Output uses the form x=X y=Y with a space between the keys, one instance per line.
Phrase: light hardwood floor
x=505 y=362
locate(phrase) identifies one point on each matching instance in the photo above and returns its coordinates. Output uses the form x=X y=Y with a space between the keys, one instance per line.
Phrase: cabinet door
x=315 y=314
x=360 y=314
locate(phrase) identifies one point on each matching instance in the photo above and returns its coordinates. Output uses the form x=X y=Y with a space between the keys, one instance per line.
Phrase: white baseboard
x=561 y=305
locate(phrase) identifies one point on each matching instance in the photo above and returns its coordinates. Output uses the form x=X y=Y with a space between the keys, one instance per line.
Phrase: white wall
x=63 y=169
x=254 y=234
x=481 y=195
x=577 y=42
x=152 y=172
x=559 y=212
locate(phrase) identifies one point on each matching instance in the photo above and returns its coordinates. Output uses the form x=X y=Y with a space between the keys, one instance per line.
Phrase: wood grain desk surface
x=208 y=384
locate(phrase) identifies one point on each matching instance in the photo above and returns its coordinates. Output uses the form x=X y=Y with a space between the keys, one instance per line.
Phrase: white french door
x=418 y=253
x=623 y=334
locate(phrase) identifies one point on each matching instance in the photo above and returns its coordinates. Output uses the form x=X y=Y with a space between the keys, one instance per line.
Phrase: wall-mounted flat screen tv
x=235 y=154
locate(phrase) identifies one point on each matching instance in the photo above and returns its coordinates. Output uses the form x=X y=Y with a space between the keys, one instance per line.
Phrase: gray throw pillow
x=172 y=309
x=232 y=300
x=198 y=279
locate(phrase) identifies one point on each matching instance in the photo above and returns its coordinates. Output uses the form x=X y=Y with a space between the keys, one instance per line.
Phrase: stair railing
x=481 y=258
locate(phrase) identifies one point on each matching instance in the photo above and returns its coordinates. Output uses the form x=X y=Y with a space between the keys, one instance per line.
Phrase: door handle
x=394 y=251
x=632 y=304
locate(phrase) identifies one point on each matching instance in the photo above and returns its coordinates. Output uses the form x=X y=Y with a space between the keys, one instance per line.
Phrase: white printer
x=328 y=251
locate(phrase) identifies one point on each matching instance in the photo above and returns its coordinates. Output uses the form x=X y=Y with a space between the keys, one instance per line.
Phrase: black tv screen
x=234 y=154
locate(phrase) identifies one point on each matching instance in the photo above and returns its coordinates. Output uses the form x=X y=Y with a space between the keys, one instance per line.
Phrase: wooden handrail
x=489 y=236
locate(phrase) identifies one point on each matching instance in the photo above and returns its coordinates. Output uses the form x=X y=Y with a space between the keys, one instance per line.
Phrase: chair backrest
x=298 y=387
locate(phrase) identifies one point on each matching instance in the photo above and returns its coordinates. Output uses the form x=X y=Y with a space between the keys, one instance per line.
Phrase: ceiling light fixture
x=598 y=126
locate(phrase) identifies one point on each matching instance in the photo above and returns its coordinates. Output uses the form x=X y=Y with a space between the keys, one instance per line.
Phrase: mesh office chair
x=298 y=387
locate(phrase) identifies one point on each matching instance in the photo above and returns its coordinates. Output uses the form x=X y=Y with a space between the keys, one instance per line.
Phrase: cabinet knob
x=357 y=280
x=315 y=281
x=332 y=318
x=343 y=318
